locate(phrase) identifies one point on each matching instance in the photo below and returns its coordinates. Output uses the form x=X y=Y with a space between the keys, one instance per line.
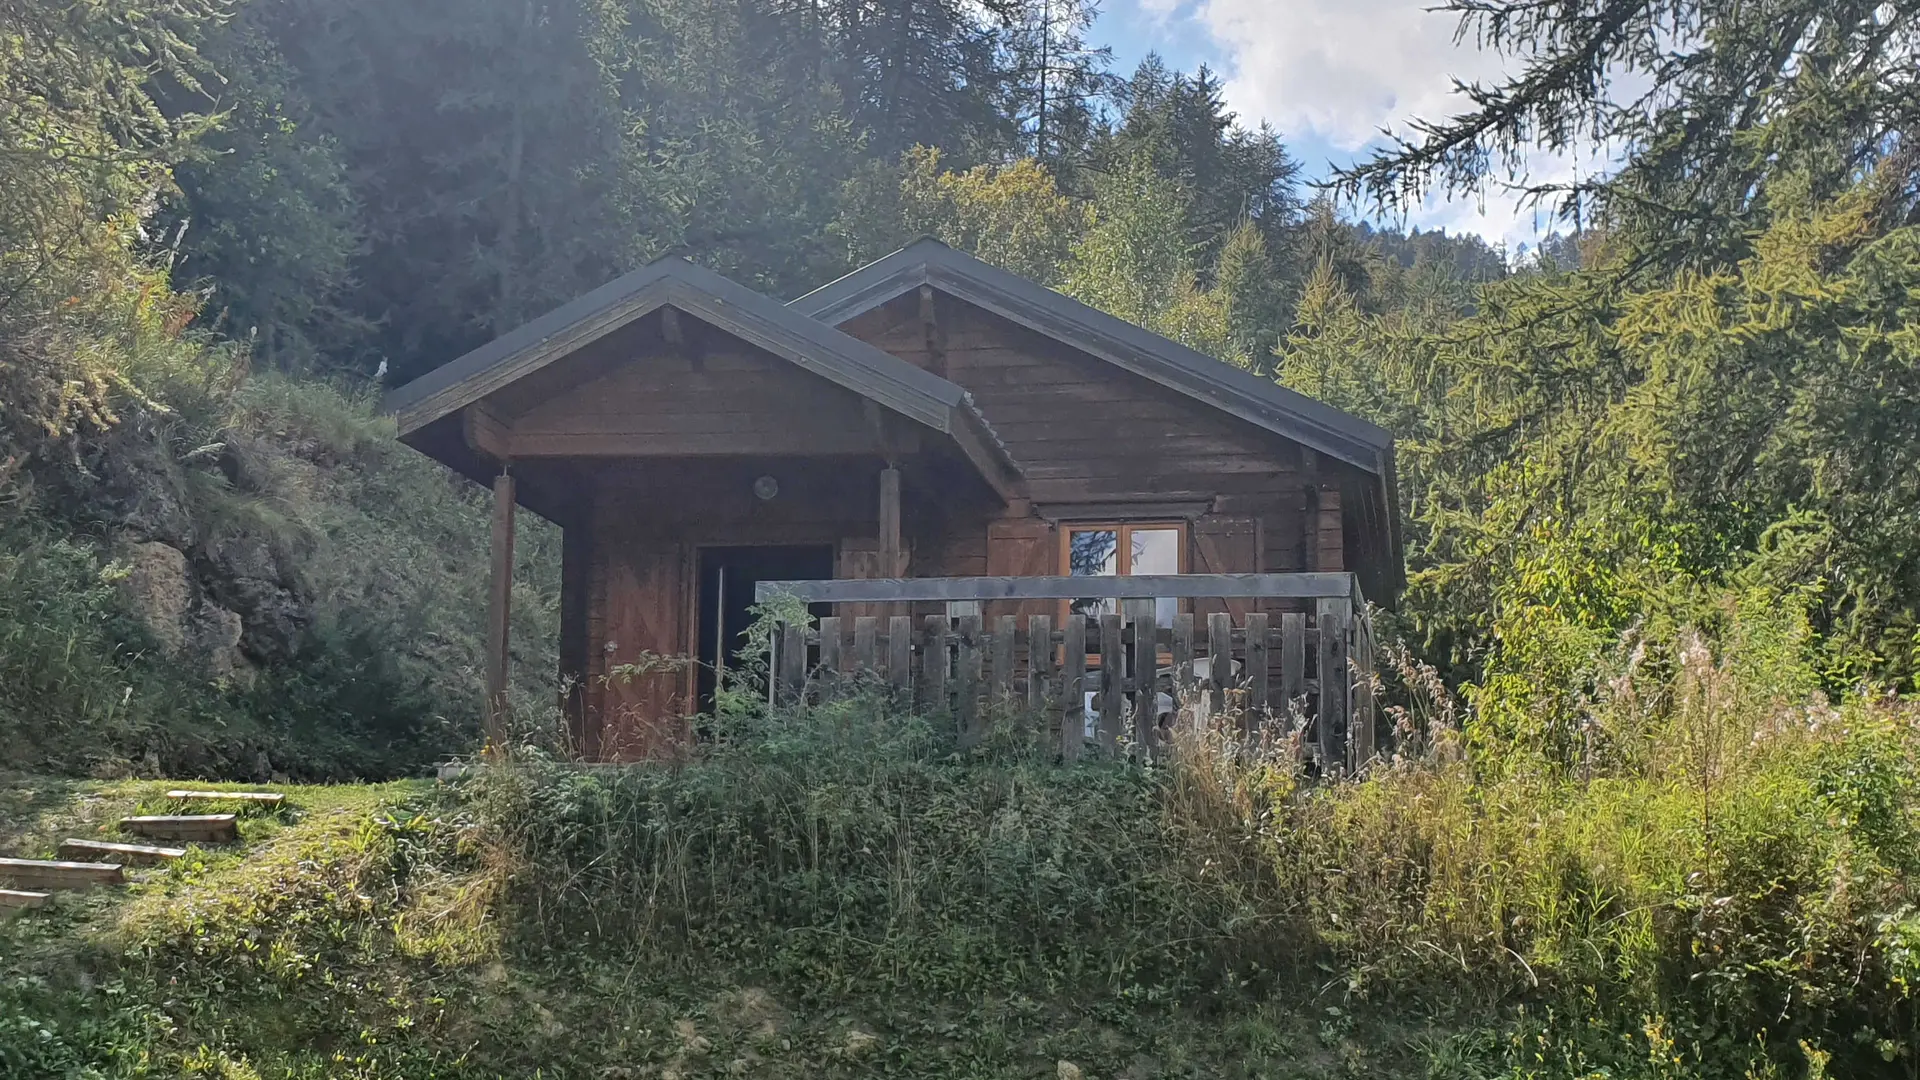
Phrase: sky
x=1329 y=75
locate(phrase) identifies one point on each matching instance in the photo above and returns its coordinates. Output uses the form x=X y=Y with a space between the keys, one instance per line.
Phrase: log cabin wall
x=1097 y=441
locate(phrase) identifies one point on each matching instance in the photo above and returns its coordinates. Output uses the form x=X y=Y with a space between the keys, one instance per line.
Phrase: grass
x=844 y=893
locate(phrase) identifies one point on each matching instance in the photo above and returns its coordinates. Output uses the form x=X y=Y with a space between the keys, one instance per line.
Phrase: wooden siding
x=718 y=398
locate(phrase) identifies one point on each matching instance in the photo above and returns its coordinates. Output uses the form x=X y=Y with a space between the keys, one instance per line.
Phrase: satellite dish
x=766 y=488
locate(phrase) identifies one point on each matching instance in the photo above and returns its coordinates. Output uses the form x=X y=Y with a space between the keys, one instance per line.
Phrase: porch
x=1285 y=654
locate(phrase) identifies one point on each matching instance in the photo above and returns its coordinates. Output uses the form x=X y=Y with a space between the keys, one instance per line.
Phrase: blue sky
x=1329 y=74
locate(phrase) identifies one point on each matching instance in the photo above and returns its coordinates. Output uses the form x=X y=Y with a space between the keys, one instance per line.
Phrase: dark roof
x=748 y=315
x=1169 y=363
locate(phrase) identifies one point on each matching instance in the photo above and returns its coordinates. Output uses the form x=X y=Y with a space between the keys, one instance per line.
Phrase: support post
x=499 y=613
x=892 y=564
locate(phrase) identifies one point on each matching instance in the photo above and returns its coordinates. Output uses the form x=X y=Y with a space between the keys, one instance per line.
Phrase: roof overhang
x=756 y=319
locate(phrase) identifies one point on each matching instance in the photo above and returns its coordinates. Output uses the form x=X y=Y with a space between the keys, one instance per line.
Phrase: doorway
x=727 y=578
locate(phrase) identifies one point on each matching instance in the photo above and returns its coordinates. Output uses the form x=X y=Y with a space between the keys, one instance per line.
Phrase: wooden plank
x=832 y=647
x=58 y=874
x=12 y=900
x=793 y=663
x=1363 y=719
x=271 y=798
x=977 y=589
x=1182 y=659
x=1004 y=629
x=499 y=613
x=1332 y=615
x=966 y=679
x=892 y=560
x=1073 y=689
x=1113 y=659
x=130 y=854
x=866 y=646
x=900 y=655
x=1039 y=663
x=1146 y=682
x=205 y=828
x=1219 y=661
x=1256 y=717
x=1293 y=664
x=933 y=666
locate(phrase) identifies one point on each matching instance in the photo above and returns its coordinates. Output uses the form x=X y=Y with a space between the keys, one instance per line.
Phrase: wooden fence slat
x=933 y=666
x=1293 y=664
x=1073 y=688
x=1333 y=615
x=1257 y=675
x=1039 y=663
x=832 y=645
x=1005 y=627
x=1219 y=660
x=866 y=646
x=1182 y=658
x=900 y=654
x=1112 y=681
x=1363 y=719
x=793 y=662
x=1146 y=682
x=966 y=679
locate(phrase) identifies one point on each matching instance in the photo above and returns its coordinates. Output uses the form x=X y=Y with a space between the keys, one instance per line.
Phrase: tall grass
x=1733 y=897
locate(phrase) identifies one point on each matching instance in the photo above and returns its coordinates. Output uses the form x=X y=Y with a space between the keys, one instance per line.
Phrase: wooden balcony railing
x=1101 y=680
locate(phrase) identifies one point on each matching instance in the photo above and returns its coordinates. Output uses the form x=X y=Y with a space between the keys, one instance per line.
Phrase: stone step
x=52 y=874
x=269 y=798
x=204 y=828
x=15 y=901
x=131 y=854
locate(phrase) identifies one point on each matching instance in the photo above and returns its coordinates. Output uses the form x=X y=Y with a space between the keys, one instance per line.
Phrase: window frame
x=1123 y=553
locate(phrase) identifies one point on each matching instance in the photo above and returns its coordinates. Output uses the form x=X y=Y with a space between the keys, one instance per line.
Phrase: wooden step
x=49 y=874
x=14 y=901
x=204 y=828
x=270 y=798
x=131 y=854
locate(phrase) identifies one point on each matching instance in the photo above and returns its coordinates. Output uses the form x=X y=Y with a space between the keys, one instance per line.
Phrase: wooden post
x=1182 y=659
x=1113 y=691
x=933 y=666
x=1293 y=664
x=1333 y=614
x=1146 y=681
x=1073 y=688
x=966 y=680
x=1362 y=723
x=1039 y=664
x=832 y=644
x=1004 y=629
x=1256 y=673
x=499 y=614
x=892 y=564
x=866 y=647
x=793 y=663
x=1219 y=661
x=900 y=655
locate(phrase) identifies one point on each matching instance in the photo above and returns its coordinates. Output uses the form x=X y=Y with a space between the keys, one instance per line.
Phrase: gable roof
x=750 y=316
x=1259 y=401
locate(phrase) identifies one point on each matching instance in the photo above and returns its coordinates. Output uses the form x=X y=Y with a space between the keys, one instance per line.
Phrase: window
x=1124 y=550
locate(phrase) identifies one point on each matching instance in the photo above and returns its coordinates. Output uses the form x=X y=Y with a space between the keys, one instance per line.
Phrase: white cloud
x=1341 y=69
x=1334 y=73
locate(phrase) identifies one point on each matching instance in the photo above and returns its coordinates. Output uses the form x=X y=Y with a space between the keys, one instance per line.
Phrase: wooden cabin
x=927 y=416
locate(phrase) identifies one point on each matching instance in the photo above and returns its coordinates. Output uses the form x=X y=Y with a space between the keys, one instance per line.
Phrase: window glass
x=1156 y=551
x=1093 y=553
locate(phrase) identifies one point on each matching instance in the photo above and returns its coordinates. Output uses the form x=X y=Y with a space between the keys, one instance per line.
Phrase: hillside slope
x=843 y=894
